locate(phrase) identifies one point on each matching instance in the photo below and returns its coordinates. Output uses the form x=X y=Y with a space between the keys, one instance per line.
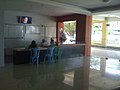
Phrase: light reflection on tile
x=69 y=78
x=104 y=73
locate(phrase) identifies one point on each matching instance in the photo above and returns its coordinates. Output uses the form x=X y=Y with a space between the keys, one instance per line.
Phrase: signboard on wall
x=33 y=29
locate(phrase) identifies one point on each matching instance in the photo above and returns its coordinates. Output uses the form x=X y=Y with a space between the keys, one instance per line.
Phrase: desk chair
x=49 y=55
x=35 y=53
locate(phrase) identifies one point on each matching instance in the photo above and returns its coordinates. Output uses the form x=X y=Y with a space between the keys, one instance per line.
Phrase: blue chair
x=35 y=53
x=57 y=53
x=49 y=55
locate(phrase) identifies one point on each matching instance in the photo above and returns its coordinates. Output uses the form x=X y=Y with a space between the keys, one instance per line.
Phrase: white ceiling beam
x=62 y=5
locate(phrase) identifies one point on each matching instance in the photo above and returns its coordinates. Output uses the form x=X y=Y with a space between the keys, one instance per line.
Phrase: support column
x=59 y=26
x=104 y=33
x=103 y=66
x=88 y=35
x=1 y=37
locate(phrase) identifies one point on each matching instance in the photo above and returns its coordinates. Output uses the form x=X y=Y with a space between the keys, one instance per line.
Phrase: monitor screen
x=24 y=19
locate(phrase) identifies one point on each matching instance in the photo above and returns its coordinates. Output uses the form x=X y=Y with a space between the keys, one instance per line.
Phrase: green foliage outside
x=70 y=28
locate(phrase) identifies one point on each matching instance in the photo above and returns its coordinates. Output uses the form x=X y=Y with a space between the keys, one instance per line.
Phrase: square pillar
x=1 y=37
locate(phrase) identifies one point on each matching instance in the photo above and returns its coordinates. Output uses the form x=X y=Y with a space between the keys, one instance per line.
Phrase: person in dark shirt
x=33 y=44
x=52 y=42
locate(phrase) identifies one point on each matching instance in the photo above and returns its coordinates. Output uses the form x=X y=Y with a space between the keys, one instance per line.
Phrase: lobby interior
x=93 y=68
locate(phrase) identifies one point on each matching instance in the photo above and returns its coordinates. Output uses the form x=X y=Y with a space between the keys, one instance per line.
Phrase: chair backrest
x=50 y=51
x=35 y=52
x=57 y=50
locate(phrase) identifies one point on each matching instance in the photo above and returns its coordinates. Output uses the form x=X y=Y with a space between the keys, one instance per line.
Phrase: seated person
x=52 y=42
x=33 y=44
x=44 y=43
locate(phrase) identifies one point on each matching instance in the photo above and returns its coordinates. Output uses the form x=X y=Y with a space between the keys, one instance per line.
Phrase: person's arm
x=36 y=45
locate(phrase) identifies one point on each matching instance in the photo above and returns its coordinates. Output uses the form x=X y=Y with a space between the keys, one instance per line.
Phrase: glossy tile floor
x=104 y=69
x=77 y=73
x=64 y=75
x=104 y=73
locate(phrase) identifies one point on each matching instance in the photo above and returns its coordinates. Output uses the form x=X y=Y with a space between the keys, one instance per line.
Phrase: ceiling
x=63 y=7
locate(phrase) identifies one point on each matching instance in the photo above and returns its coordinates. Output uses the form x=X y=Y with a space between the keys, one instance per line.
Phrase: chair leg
x=44 y=59
x=52 y=59
x=59 y=57
x=49 y=59
x=37 y=60
x=32 y=61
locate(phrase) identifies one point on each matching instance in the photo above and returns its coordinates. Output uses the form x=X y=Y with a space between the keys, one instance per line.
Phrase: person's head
x=43 y=40
x=51 y=39
x=33 y=42
x=61 y=29
x=25 y=20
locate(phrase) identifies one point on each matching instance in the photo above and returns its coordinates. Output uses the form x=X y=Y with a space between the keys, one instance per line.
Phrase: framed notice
x=32 y=29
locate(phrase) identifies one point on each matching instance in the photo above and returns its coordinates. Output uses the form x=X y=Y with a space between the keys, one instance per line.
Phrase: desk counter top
x=81 y=44
x=22 y=55
x=21 y=49
x=26 y=49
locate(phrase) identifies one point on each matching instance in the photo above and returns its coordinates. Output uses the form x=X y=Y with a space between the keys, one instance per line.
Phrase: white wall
x=37 y=20
x=95 y=17
x=10 y=17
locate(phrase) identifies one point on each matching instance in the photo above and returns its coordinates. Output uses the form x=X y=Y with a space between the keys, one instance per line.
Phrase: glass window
x=70 y=32
x=113 y=33
x=97 y=32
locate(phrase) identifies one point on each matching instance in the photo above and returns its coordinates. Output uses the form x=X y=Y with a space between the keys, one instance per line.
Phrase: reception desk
x=73 y=50
x=22 y=55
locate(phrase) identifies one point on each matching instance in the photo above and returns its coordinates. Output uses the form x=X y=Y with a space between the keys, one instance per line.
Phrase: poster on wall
x=32 y=29
x=24 y=19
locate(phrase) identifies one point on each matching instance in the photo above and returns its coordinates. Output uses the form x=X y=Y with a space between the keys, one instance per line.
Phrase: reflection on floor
x=104 y=69
x=105 y=52
x=68 y=74
x=64 y=75
x=104 y=73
